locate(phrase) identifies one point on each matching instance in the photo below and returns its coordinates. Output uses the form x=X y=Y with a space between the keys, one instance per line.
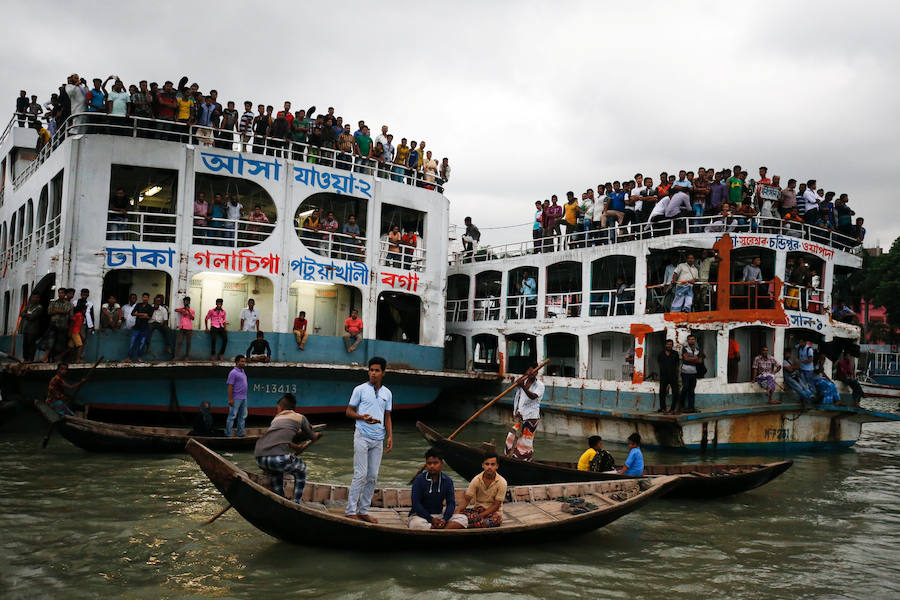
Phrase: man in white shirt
x=233 y=211
x=159 y=321
x=250 y=317
x=527 y=412
x=129 y=321
x=382 y=137
x=684 y=277
x=679 y=206
x=811 y=202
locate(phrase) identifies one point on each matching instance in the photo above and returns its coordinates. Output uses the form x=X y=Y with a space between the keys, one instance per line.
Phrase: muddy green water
x=79 y=525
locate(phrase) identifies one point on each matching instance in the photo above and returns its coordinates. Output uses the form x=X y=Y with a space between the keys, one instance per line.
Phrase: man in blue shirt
x=634 y=464
x=370 y=406
x=806 y=358
x=433 y=497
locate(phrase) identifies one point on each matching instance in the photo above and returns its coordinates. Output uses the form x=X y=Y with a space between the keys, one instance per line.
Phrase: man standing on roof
x=527 y=413
x=470 y=238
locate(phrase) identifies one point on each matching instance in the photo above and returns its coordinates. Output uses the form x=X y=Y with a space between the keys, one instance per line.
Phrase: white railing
x=486 y=308
x=565 y=304
x=804 y=298
x=607 y=303
x=660 y=296
x=521 y=306
x=172 y=131
x=457 y=310
x=54 y=226
x=232 y=233
x=333 y=245
x=407 y=257
x=639 y=231
x=140 y=226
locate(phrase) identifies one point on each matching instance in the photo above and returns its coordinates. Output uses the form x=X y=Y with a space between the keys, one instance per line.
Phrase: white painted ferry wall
x=80 y=257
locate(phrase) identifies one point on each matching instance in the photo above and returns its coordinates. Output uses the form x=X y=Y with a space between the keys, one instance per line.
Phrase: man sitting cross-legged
x=488 y=491
x=433 y=497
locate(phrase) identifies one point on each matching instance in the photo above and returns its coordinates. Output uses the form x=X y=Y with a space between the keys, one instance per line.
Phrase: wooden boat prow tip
x=701 y=481
x=531 y=514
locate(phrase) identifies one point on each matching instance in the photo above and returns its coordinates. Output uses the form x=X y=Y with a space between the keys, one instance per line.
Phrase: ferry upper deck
x=179 y=232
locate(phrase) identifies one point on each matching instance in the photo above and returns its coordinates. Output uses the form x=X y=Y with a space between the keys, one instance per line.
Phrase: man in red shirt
x=300 y=332
x=354 y=327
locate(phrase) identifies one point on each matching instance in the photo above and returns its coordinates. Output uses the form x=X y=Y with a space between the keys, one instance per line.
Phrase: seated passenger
x=595 y=458
x=203 y=422
x=793 y=380
x=259 y=349
x=634 y=464
x=274 y=449
x=433 y=497
x=488 y=491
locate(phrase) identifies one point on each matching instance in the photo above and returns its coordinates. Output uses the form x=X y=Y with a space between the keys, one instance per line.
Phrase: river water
x=79 y=525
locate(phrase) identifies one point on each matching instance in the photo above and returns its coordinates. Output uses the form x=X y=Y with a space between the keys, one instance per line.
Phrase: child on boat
x=634 y=464
x=488 y=491
x=595 y=458
x=433 y=496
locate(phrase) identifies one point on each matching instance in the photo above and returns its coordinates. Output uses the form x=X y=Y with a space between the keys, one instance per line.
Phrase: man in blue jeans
x=141 y=313
x=237 y=397
x=370 y=406
x=806 y=355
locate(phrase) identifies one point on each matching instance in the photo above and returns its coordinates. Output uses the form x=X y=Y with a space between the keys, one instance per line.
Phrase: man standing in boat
x=237 y=397
x=370 y=406
x=527 y=413
x=274 y=450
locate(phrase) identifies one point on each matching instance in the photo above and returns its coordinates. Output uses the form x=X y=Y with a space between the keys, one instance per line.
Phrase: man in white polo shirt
x=370 y=405
x=250 y=317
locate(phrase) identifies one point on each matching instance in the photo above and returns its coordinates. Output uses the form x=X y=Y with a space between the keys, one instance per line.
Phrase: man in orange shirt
x=354 y=327
x=734 y=359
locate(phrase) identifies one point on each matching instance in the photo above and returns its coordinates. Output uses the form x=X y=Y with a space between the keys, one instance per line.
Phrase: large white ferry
x=597 y=305
x=63 y=227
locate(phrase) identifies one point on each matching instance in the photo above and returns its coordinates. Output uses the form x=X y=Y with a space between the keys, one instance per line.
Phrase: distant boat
x=700 y=481
x=532 y=514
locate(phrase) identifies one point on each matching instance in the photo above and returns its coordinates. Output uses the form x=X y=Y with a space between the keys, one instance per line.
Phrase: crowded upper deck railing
x=183 y=114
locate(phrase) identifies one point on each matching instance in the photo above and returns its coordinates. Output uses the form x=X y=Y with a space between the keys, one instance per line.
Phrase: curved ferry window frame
x=338 y=245
x=408 y=220
x=454 y=352
x=216 y=231
x=574 y=371
x=380 y=326
x=486 y=361
x=152 y=194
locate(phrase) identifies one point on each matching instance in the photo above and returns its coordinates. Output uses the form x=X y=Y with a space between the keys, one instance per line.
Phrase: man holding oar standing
x=370 y=406
x=527 y=412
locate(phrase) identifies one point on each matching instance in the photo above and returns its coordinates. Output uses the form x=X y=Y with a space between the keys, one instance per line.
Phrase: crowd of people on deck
x=182 y=111
x=60 y=331
x=729 y=198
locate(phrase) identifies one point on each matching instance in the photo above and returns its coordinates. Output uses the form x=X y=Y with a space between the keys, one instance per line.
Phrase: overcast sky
x=527 y=99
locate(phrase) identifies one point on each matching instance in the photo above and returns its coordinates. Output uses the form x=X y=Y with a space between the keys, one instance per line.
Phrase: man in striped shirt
x=246 y=126
x=764 y=369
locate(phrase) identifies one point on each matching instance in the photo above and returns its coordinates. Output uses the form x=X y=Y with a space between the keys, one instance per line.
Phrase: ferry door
x=234 y=301
x=324 y=320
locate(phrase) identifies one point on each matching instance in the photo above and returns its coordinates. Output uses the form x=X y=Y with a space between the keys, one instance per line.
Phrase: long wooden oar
x=83 y=380
x=485 y=407
x=300 y=450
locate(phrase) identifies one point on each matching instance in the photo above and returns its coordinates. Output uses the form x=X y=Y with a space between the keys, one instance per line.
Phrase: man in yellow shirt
x=595 y=458
x=571 y=211
x=488 y=491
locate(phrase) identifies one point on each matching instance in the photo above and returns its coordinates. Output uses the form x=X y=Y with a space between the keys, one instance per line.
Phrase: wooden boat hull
x=304 y=524
x=95 y=436
x=877 y=390
x=701 y=481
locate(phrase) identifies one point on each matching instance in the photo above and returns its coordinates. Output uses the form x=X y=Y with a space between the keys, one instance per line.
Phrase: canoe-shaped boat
x=697 y=481
x=96 y=436
x=532 y=514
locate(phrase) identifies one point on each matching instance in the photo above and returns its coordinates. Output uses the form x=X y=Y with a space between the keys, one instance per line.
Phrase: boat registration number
x=275 y=388
x=777 y=434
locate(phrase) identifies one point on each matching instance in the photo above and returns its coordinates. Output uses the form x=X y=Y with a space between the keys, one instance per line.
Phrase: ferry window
x=29 y=217
x=562 y=351
x=484 y=353
x=398 y=318
x=54 y=223
x=750 y=340
x=233 y=212
x=521 y=352
x=487 y=296
x=409 y=224
x=457 y=297
x=235 y=291
x=660 y=267
x=563 y=290
x=521 y=293
x=42 y=207
x=6 y=312
x=333 y=225
x=455 y=352
x=612 y=286
x=121 y=283
x=744 y=267
x=803 y=288
x=142 y=204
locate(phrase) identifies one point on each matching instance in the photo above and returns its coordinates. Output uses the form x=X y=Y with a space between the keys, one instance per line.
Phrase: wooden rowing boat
x=698 y=480
x=532 y=514
x=96 y=436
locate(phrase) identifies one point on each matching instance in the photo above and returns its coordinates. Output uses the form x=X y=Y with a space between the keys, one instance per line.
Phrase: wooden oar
x=299 y=450
x=83 y=380
x=485 y=407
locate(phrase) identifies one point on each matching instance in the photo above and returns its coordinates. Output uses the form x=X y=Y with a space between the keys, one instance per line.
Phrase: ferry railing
x=564 y=304
x=521 y=306
x=457 y=311
x=138 y=226
x=232 y=233
x=486 y=308
x=804 y=298
x=407 y=257
x=333 y=245
x=661 y=295
x=607 y=303
x=792 y=234
x=54 y=226
x=207 y=137
x=751 y=295
x=40 y=236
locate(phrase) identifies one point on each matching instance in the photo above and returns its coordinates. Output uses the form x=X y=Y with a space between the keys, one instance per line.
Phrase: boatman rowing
x=274 y=450
x=527 y=413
